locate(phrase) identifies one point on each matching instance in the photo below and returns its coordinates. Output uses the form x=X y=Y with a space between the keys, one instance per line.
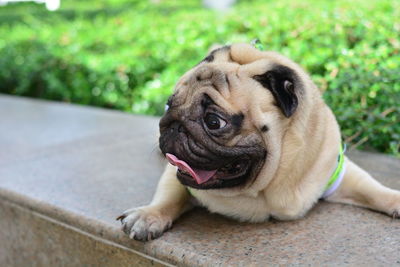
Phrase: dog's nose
x=177 y=127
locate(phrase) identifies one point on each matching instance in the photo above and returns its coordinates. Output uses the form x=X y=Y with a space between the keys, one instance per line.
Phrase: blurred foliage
x=127 y=54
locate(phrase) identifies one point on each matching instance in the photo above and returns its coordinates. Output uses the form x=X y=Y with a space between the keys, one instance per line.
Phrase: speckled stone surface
x=32 y=239
x=81 y=167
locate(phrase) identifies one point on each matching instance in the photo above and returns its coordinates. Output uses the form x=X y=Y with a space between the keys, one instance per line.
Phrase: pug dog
x=248 y=135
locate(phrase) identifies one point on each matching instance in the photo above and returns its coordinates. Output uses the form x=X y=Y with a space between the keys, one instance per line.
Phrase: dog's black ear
x=283 y=84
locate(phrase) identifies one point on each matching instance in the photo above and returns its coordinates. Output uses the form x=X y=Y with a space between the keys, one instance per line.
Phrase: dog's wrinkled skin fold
x=276 y=128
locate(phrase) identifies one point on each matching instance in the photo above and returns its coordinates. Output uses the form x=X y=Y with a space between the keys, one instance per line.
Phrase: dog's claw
x=395 y=215
x=132 y=235
x=120 y=218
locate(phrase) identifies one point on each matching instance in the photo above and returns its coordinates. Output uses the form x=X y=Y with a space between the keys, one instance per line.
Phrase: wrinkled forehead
x=212 y=76
x=243 y=60
x=218 y=59
x=224 y=69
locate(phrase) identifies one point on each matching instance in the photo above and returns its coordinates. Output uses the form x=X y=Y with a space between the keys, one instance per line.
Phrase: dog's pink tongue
x=201 y=176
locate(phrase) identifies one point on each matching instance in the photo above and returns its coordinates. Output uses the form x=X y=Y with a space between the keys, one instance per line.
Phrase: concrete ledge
x=67 y=171
x=30 y=238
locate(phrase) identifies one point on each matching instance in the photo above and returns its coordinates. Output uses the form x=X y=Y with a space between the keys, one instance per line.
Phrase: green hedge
x=128 y=54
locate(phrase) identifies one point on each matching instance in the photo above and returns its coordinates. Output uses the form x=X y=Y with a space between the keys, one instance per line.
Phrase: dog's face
x=225 y=122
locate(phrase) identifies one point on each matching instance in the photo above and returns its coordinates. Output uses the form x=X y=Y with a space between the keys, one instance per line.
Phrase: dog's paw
x=144 y=223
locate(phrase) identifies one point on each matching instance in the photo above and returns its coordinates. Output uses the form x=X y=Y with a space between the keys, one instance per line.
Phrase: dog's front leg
x=169 y=202
x=359 y=188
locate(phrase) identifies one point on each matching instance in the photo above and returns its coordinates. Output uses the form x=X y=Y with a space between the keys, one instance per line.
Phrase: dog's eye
x=214 y=122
